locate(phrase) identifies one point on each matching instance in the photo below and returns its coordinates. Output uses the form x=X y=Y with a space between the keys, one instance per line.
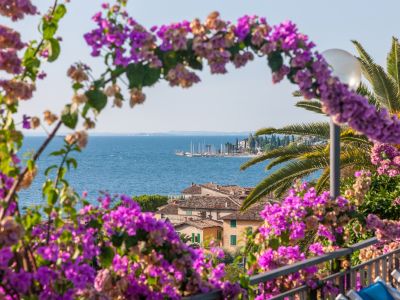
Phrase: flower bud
x=137 y=97
x=112 y=90
x=79 y=99
x=79 y=137
x=28 y=179
x=10 y=232
x=118 y=102
x=89 y=124
x=35 y=122
x=77 y=73
x=49 y=117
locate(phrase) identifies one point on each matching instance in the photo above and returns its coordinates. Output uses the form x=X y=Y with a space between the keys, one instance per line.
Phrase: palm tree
x=297 y=161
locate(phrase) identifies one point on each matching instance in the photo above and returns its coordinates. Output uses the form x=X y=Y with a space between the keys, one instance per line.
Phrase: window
x=188 y=212
x=192 y=237
x=197 y=238
x=219 y=235
x=233 y=223
x=233 y=240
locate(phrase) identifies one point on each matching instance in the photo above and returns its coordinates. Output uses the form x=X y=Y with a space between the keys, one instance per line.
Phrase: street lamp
x=347 y=68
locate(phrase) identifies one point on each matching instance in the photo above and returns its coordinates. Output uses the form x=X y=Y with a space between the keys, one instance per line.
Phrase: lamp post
x=347 y=68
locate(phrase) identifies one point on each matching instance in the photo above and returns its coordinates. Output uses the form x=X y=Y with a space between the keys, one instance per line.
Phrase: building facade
x=201 y=232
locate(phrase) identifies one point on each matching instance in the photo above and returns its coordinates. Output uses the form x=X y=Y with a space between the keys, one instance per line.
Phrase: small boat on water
x=180 y=153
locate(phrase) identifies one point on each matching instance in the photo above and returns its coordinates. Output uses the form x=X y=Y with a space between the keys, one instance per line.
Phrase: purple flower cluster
x=116 y=253
x=16 y=9
x=6 y=183
x=219 y=42
x=9 y=61
x=131 y=42
x=387 y=159
x=385 y=230
x=288 y=224
x=10 y=38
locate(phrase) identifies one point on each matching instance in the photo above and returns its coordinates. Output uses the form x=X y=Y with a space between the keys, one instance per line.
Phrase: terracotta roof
x=232 y=190
x=251 y=214
x=194 y=189
x=211 y=202
x=243 y=216
x=169 y=209
x=200 y=224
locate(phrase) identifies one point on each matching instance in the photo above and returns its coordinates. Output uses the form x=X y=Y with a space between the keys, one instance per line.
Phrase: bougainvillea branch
x=11 y=194
x=174 y=52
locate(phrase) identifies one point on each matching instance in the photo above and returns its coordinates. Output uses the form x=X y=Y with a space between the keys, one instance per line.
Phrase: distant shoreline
x=156 y=134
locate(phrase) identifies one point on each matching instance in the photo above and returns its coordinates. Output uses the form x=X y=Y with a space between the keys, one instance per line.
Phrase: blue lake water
x=142 y=165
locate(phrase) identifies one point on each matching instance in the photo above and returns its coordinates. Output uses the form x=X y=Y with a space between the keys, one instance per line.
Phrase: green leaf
x=142 y=75
x=94 y=223
x=131 y=241
x=96 y=99
x=135 y=75
x=58 y=152
x=275 y=61
x=151 y=76
x=66 y=236
x=170 y=59
x=49 y=29
x=69 y=118
x=106 y=256
x=273 y=243
x=77 y=85
x=85 y=110
x=59 y=12
x=52 y=196
x=31 y=165
x=195 y=63
x=117 y=240
x=72 y=161
x=47 y=171
x=54 y=50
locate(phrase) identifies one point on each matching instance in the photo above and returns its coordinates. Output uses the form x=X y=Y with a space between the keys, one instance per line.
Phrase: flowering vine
x=60 y=251
x=174 y=52
x=387 y=159
x=303 y=225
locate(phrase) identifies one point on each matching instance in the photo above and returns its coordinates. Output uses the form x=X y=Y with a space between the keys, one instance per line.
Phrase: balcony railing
x=346 y=279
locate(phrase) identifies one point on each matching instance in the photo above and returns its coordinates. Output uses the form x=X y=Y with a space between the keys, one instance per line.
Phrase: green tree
x=297 y=161
x=151 y=203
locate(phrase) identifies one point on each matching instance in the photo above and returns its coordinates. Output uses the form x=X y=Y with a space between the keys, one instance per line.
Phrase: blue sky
x=242 y=100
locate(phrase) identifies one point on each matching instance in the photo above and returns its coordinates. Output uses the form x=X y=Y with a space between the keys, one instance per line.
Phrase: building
x=170 y=213
x=208 y=207
x=212 y=212
x=212 y=189
x=202 y=231
x=237 y=224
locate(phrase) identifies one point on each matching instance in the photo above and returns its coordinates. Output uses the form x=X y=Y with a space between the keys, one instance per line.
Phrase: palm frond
x=363 y=53
x=349 y=136
x=363 y=90
x=288 y=173
x=311 y=105
x=319 y=129
x=393 y=61
x=297 y=94
x=322 y=181
x=292 y=149
x=279 y=160
x=283 y=189
x=384 y=86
